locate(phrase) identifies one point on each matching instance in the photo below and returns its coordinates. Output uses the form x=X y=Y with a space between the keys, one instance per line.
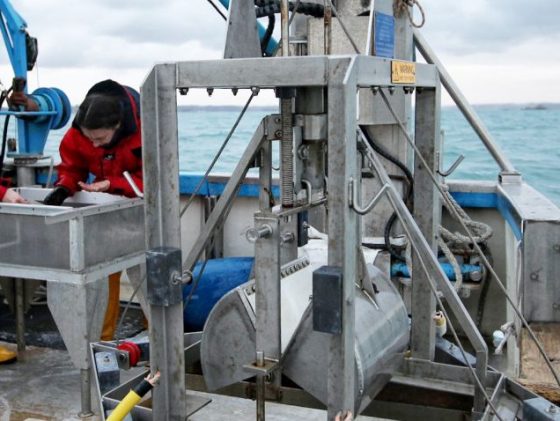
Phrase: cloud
x=498 y=51
x=474 y=26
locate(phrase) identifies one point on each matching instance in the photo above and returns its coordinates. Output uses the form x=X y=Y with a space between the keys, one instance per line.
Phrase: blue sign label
x=384 y=36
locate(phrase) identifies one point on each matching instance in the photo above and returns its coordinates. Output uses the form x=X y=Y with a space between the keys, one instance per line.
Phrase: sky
x=497 y=51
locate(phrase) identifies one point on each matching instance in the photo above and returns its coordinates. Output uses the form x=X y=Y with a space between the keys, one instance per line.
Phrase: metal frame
x=342 y=76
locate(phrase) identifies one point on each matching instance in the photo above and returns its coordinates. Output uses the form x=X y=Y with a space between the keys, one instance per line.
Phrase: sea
x=529 y=135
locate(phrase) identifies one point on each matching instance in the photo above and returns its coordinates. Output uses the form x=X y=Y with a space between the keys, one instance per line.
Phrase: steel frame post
x=267 y=298
x=427 y=213
x=161 y=175
x=343 y=226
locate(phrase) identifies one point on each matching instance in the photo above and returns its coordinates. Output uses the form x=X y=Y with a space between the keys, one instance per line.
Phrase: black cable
x=268 y=7
x=4 y=142
x=3 y=97
x=268 y=34
x=408 y=195
x=217 y=9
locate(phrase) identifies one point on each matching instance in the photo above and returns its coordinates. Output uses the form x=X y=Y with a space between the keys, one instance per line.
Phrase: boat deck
x=46 y=386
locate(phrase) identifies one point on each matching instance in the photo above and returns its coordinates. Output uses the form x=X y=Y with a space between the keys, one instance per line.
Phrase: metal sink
x=89 y=229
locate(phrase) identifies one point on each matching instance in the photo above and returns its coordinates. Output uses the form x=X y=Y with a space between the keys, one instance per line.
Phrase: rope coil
x=401 y=7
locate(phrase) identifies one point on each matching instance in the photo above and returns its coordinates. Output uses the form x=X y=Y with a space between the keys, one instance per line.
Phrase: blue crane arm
x=54 y=107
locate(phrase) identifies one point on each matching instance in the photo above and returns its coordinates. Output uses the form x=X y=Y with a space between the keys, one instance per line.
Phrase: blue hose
x=401 y=269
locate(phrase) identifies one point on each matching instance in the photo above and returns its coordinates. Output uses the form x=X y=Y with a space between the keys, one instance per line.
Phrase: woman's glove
x=57 y=196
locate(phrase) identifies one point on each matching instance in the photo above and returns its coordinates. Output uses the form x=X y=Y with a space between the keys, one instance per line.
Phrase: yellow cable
x=126 y=405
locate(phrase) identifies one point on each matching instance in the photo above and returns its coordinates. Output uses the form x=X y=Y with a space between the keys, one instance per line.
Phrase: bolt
x=375 y=90
x=255 y=90
x=183 y=91
x=555 y=306
x=552 y=409
x=534 y=276
x=287 y=237
x=210 y=91
x=391 y=90
x=253 y=234
x=278 y=134
x=234 y=91
x=176 y=278
x=303 y=152
x=556 y=248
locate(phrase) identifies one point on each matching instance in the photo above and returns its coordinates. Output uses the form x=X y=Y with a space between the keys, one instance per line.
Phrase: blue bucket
x=219 y=277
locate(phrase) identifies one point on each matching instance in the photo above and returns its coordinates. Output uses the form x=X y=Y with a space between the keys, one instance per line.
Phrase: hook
x=453 y=167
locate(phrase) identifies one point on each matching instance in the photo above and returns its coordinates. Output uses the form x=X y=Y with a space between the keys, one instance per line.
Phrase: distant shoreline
x=526 y=106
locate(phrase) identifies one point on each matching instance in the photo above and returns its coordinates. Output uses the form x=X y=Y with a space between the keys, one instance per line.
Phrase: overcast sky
x=498 y=51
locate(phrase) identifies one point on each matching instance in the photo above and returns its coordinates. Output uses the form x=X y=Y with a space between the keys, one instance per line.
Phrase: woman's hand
x=12 y=196
x=98 y=186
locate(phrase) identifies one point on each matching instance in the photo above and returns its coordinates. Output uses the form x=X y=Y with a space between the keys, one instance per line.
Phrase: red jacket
x=2 y=192
x=80 y=157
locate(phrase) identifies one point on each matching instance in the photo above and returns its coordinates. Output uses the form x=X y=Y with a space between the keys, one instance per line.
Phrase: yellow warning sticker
x=403 y=72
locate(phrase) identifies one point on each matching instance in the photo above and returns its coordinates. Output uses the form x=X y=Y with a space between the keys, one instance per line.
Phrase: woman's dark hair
x=99 y=112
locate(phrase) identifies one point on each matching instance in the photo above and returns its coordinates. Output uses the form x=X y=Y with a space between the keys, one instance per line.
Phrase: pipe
x=401 y=269
x=133 y=185
x=461 y=102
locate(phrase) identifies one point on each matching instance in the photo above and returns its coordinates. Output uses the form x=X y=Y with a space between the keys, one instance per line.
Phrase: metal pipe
x=133 y=185
x=327 y=27
x=20 y=317
x=461 y=102
x=285 y=28
x=261 y=389
x=85 y=394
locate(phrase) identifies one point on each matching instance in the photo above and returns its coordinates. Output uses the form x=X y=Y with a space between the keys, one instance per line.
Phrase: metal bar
x=277 y=72
x=427 y=214
x=222 y=207
x=85 y=393
x=343 y=228
x=267 y=298
x=285 y=27
x=161 y=190
x=20 y=317
x=327 y=19
x=270 y=72
x=467 y=110
x=368 y=51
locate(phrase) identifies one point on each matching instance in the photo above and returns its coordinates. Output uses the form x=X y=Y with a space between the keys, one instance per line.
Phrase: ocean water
x=530 y=138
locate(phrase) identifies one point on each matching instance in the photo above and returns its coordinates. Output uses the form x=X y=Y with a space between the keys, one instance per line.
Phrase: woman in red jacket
x=104 y=141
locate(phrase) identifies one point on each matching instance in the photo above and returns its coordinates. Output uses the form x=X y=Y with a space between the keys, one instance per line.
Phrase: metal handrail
x=461 y=102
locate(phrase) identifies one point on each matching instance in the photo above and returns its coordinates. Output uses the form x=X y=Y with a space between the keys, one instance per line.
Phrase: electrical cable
x=267 y=7
x=408 y=196
x=268 y=33
x=217 y=9
x=4 y=142
x=3 y=97
x=472 y=239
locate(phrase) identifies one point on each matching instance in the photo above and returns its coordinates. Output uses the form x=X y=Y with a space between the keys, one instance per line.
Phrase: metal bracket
x=453 y=167
x=353 y=198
